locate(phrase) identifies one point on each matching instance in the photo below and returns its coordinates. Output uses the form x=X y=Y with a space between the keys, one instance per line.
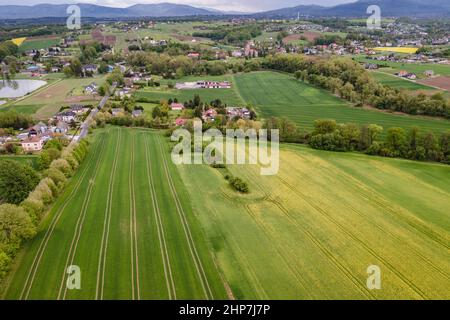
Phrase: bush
x=239 y=185
x=16 y=181
x=63 y=166
x=34 y=206
x=5 y=261
x=57 y=176
x=15 y=226
x=44 y=192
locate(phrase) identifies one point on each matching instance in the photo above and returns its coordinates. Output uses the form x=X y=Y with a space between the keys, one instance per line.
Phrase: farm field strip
x=106 y=225
x=279 y=95
x=400 y=83
x=49 y=231
x=190 y=241
x=133 y=230
x=160 y=229
x=418 y=68
x=146 y=249
x=79 y=228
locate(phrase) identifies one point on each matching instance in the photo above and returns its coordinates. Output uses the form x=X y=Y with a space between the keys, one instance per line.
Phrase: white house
x=33 y=144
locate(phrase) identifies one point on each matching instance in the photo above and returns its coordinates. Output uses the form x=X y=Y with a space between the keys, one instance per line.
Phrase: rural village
x=86 y=123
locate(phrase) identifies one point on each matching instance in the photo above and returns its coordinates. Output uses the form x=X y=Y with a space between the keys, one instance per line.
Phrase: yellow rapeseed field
x=397 y=49
x=18 y=41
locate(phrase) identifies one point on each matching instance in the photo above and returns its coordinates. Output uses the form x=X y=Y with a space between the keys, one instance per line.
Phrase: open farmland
x=418 y=69
x=439 y=82
x=228 y=96
x=280 y=95
x=311 y=231
x=406 y=50
x=38 y=43
x=46 y=102
x=399 y=83
x=126 y=221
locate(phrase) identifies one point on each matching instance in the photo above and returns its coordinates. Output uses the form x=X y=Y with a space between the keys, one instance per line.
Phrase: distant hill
x=389 y=8
x=95 y=11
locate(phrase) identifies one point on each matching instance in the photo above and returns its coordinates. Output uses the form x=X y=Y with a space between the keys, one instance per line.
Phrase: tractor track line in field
x=415 y=223
x=187 y=231
x=159 y=226
x=79 y=225
x=279 y=250
x=377 y=225
x=365 y=191
x=341 y=267
x=328 y=254
x=106 y=226
x=405 y=280
x=48 y=234
x=135 y=287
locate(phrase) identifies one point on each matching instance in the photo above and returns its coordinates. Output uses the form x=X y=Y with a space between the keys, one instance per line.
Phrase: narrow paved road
x=85 y=125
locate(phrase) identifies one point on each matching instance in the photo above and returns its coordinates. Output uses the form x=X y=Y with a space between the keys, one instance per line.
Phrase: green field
x=280 y=95
x=418 y=69
x=127 y=222
x=311 y=231
x=140 y=228
x=32 y=161
x=46 y=102
x=399 y=83
x=38 y=44
x=229 y=96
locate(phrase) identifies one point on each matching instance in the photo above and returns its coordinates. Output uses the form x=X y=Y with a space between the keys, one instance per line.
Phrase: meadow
x=39 y=43
x=229 y=96
x=312 y=230
x=30 y=160
x=280 y=95
x=418 y=69
x=399 y=83
x=126 y=220
x=46 y=102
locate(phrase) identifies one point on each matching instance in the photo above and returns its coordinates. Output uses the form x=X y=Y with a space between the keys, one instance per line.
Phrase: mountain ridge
x=389 y=8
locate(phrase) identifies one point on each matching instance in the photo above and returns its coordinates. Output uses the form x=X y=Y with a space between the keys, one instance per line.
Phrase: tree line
x=28 y=196
x=413 y=144
x=231 y=34
x=175 y=67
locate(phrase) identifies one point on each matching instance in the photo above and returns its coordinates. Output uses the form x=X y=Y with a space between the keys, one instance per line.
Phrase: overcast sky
x=230 y=5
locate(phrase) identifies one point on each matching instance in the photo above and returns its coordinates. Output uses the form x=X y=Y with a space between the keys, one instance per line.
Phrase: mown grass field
x=399 y=83
x=31 y=160
x=39 y=43
x=280 y=95
x=418 y=69
x=46 y=102
x=229 y=96
x=127 y=222
x=311 y=231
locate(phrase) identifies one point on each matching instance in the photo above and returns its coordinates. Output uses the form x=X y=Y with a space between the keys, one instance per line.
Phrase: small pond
x=19 y=88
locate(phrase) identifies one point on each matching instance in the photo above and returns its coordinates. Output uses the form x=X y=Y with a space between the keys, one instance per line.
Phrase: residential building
x=177 y=106
x=33 y=144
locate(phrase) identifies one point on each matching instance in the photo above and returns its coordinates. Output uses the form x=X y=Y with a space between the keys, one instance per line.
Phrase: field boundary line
x=106 y=224
x=160 y=228
x=187 y=231
x=49 y=232
x=80 y=222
